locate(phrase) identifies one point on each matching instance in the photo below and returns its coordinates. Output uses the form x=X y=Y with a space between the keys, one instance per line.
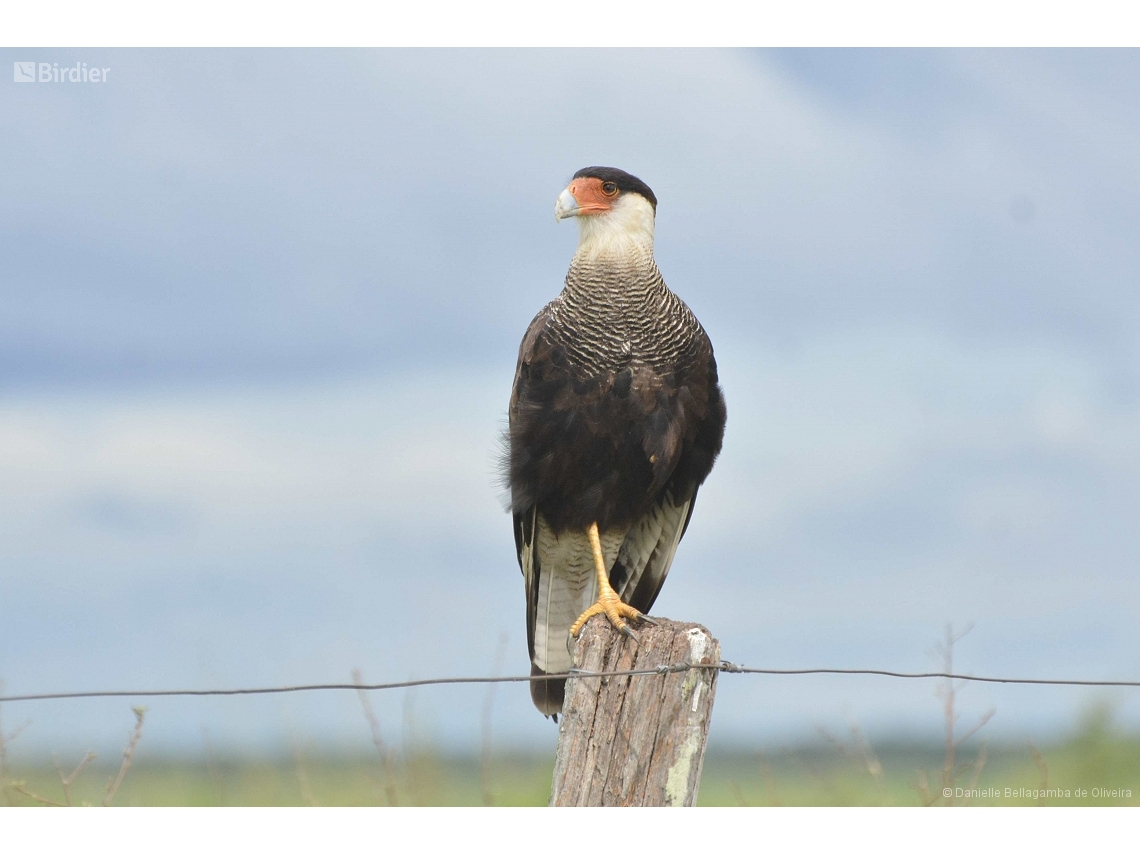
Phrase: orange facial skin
x=591 y=195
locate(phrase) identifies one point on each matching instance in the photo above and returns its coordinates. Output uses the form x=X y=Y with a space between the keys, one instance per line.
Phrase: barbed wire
x=724 y=667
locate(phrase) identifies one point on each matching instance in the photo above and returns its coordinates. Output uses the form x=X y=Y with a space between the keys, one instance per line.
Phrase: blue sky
x=260 y=316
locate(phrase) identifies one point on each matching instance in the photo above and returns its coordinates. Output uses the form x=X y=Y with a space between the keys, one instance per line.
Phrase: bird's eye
x=609 y=188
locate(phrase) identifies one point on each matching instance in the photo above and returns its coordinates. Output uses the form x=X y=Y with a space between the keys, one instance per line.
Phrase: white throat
x=626 y=229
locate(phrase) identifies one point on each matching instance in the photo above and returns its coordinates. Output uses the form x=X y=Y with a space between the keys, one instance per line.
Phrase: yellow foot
x=610 y=605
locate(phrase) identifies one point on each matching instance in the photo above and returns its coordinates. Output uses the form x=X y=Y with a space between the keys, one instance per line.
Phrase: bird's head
x=615 y=210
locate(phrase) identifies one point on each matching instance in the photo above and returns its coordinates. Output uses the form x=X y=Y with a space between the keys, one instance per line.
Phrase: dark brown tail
x=547 y=694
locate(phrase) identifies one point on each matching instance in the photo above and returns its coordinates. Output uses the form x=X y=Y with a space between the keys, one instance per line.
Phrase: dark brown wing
x=648 y=550
x=523 y=510
x=546 y=694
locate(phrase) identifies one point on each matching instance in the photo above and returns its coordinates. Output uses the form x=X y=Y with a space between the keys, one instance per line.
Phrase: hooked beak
x=566 y=206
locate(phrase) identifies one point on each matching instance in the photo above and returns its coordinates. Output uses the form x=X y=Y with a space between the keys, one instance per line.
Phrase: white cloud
x=255 y=469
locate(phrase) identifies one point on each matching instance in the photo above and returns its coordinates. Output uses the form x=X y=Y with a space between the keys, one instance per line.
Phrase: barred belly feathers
x=616 y=418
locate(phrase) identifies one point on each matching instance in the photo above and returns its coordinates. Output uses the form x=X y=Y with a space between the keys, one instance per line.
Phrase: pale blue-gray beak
x=566 y=206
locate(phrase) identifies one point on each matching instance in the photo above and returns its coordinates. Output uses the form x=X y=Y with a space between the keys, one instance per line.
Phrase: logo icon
x=24 y=72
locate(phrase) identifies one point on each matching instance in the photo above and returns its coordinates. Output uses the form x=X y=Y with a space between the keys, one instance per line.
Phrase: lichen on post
x=636 y=740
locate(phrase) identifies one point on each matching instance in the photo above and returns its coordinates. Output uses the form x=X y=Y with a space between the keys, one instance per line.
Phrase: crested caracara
x=616 y=417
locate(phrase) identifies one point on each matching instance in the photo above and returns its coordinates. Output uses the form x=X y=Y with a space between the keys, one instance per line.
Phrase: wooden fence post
x=636 y=740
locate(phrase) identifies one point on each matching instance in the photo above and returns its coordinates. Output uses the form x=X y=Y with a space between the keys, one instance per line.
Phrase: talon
x=608 y=602
x=648 y=620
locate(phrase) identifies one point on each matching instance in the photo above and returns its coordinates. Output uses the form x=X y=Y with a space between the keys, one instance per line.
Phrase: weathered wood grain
x=636 y=740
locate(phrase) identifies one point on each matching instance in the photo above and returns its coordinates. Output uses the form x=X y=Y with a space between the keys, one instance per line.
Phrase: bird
x=616 y=417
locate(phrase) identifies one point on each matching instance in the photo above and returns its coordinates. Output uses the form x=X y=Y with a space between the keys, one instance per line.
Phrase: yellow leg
x=608 y=602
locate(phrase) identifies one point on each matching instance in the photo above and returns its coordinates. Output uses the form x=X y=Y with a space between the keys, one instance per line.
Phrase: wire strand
x=924 y=675
x=726 y=667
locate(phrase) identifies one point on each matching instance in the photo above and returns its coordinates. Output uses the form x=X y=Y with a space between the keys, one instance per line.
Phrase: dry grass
x=9 y=785
x=950 y=775
x=387 y=756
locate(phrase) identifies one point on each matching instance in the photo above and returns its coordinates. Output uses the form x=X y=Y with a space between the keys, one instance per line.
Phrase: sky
x=260 y=315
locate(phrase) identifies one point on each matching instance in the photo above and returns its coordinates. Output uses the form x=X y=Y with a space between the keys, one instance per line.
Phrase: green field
x=846 y=771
